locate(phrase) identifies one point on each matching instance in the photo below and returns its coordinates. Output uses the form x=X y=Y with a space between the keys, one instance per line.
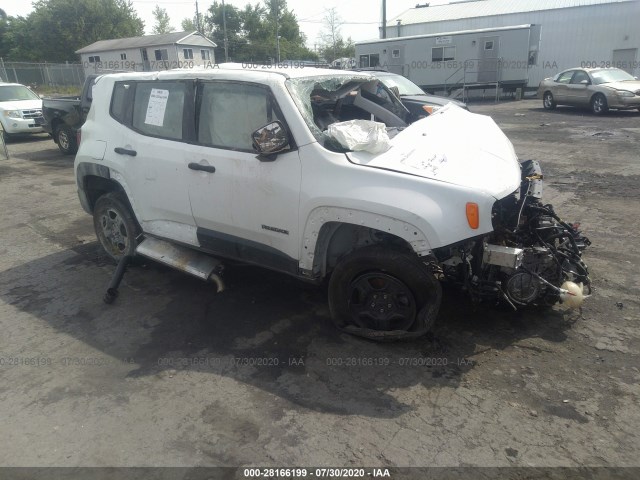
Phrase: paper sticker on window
x=156 y=107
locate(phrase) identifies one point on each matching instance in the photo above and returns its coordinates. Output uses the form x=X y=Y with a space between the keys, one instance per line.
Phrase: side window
x=158 y=109
x=579 y=76
x=565 y=77
x=119 y=101
x=231 y=112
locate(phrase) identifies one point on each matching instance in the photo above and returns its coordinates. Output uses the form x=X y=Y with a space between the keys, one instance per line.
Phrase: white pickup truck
x=316 y=173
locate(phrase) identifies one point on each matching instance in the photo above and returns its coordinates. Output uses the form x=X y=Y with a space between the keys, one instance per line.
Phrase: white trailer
x=467 y=59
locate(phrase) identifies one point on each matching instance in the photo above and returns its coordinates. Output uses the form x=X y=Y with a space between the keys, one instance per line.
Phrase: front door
x=488 y=54
x=578 y=92
x=244 y=207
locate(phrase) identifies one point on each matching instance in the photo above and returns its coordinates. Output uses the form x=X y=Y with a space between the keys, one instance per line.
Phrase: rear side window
x=158 y=109
x=230 y=112
x=120 y=101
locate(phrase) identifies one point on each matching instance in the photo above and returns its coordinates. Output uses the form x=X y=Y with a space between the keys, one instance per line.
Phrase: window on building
x=488 y=45
x=123 y=56
x=161 y=54
x=94 y=59
x=188 y=53
x=158 y=109
x=205 y=54
x=231 y=112
x=371 y=60
x=395 y=53
x=533 y=58
x=443 y=54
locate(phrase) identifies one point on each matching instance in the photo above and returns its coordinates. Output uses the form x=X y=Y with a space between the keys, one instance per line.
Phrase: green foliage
x=251 y=32
x=191 y=24
x=163 y=22
x=57 y=28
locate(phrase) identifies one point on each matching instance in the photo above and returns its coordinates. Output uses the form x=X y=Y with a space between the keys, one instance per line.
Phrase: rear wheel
x=548 y=102
x=383 y=294
x=115 y=225
x=66 y=140
x=599 y=104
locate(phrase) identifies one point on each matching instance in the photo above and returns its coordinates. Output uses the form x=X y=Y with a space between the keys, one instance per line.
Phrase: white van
x=316 y=173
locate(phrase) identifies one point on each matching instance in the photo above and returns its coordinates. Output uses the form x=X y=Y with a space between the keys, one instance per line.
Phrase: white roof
x=485 y=8
x=442 y=34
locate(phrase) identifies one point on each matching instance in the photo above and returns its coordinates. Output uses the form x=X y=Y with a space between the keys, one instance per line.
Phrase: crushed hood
x=453 y=146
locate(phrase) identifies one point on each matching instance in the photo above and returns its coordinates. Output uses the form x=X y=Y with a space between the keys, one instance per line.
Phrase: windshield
x=327 y=99
x=405 y=86
x=608 y=76
x=16 y=92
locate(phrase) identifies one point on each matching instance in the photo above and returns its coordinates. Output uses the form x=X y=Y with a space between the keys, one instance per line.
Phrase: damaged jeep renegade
x=319 y=174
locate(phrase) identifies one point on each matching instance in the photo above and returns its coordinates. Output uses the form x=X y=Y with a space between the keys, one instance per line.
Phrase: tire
x=382 y=294
x=66 y=140
x=115 y=225
x=548 y=102
x=599 y=104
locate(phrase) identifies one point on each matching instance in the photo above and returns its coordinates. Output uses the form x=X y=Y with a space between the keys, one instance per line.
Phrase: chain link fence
x=42 y=74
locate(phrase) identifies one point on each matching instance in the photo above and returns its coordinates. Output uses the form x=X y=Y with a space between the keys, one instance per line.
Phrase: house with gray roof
x=148 y=53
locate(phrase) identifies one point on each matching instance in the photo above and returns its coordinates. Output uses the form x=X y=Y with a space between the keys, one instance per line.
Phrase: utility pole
x=197 y=18
x=275 y=3
x=384 y=18
x=224 y=30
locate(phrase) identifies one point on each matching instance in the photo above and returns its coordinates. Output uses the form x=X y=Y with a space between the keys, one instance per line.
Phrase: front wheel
x=599 y=104
x=66 y=140
x=548 y=102
x=115 y=226
x=381 y=294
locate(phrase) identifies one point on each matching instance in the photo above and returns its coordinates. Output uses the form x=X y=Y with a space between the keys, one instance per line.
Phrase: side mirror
x=269 y=140
x=585 y=82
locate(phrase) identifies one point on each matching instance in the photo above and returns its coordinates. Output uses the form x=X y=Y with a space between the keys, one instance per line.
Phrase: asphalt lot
x=174 y=375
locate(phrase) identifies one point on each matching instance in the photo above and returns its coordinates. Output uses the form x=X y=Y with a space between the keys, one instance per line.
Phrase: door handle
x=202 y=168
x=124 y=151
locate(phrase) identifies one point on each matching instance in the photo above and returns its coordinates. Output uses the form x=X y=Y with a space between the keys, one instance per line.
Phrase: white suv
x=275 y=168
x=20 y=110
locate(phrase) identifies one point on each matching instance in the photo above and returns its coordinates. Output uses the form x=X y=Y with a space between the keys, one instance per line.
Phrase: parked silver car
x=598 y=88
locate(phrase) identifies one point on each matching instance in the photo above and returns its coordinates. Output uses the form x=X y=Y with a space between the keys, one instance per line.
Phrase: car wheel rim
x=378 y=301
x=63 y=139
x=547 y=100
x=114 y=232
x=598 y=104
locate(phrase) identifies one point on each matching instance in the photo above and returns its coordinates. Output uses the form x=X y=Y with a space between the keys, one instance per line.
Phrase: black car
x=420 y=104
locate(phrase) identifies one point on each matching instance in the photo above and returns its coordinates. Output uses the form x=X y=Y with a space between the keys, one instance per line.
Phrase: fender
x=321 y=215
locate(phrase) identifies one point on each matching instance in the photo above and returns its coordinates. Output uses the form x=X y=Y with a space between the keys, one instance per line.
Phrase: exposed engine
x=531 y=258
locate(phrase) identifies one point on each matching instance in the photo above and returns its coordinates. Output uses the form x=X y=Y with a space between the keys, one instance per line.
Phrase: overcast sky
x=361 y=17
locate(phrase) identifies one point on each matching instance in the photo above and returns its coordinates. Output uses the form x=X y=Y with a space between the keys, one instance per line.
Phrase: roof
x=235 y=71
x=485 y=8
x=144 y=41
x=442 y=34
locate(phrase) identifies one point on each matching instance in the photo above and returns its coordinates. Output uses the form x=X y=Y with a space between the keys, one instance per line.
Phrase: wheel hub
x=114 y=231
x=379 y=301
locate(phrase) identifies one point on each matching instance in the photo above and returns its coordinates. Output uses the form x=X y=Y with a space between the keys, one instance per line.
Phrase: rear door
x=244 y=207
x=560 y=90
x=150 y=146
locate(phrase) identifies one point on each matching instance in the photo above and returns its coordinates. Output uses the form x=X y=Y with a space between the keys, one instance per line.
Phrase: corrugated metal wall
x=571 y=37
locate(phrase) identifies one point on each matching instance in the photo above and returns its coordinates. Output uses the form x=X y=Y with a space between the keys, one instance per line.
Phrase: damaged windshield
x=329 y=99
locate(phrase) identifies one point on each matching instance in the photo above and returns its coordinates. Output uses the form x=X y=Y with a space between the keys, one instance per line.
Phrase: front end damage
x=532 y=257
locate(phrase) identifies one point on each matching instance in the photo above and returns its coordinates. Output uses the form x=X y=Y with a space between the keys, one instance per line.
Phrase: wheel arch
x=332 y=232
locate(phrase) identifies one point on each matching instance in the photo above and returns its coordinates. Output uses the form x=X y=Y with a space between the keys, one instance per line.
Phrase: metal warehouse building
x=505 y=43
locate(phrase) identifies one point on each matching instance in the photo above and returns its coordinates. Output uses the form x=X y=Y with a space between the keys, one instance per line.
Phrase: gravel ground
x=170 y=375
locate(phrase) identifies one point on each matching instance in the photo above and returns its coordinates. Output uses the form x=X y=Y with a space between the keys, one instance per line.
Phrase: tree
x=55 y=29
x=191 y=24
x=163 y=22
x=332 y=45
